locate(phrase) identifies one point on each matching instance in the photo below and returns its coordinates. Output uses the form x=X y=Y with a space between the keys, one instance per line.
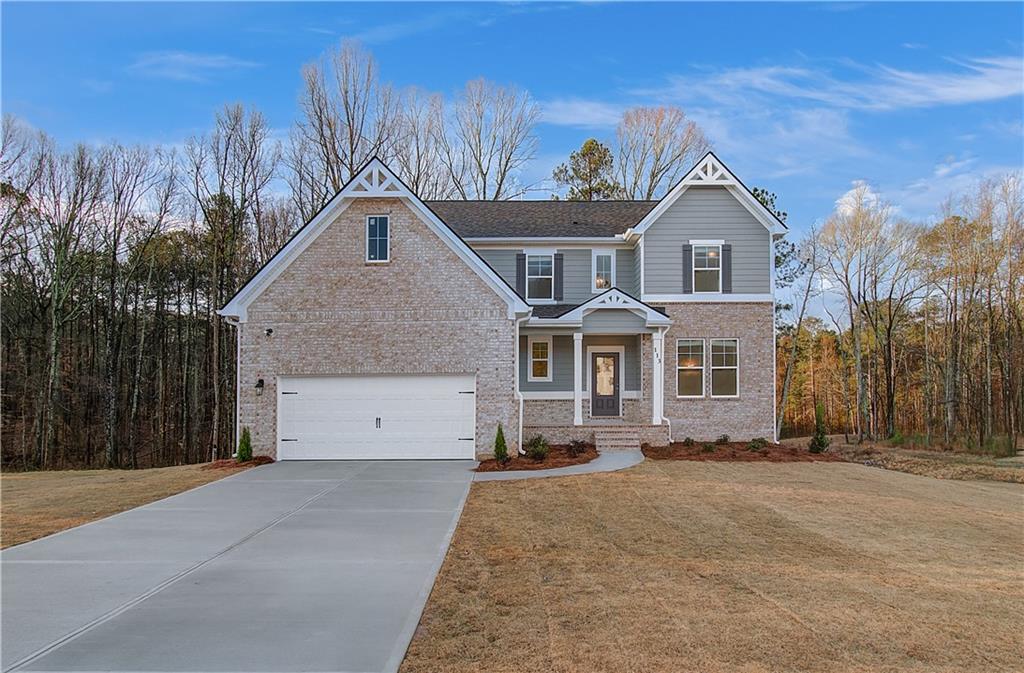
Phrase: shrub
x=819 y=442
x=722 y=439
x=757 y=443
x=708 y=447
x=244 y=454
x=500 y=448
x=576 y=447
x=897 y=439
x=688 y=441
x=537 y=448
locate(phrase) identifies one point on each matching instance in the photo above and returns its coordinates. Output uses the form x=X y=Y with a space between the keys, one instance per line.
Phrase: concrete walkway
x=311 y=566
x=609 y=461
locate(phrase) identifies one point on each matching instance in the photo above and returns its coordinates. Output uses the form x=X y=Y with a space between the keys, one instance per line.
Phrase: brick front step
x=617 y=439
x=655 y=435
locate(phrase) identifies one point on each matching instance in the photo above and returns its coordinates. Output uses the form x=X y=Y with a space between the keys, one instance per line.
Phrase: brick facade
x=752 y=413
x=424 y=312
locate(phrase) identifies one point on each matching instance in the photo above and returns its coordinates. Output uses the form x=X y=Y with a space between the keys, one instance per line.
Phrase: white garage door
x=376 y=417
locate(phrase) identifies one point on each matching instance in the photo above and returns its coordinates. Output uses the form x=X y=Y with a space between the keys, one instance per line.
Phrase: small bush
x=819 y=442
x=537 y=448
x=688 y=441
x=244 y=454
x=722 y=439
x=576 y=447
x=500 y=448
x=757 y=443
x=707 y=447
x=897 y=439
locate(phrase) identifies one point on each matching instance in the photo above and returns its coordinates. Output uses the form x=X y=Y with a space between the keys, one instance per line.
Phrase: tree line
x=116 y=258
x=920 y=336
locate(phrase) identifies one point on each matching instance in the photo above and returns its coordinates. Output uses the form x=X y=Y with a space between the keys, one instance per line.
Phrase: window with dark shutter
x=559 y=276
x=687 y=268
x=521 y=274
x=727 y=268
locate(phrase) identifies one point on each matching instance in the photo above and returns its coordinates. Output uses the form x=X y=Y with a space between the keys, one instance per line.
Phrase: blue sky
x=919 y=99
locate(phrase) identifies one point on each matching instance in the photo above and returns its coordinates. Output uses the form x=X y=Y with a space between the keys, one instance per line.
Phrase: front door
x=604 y=384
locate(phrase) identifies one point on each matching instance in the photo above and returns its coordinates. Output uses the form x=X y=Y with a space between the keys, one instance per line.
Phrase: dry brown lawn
x=747 y=567
x=34 y=504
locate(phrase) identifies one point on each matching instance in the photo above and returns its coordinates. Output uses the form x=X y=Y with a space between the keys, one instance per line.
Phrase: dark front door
x=604 y=384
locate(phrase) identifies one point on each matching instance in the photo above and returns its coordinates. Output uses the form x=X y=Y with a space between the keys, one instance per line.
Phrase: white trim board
x=568 y=396
x=707 y=298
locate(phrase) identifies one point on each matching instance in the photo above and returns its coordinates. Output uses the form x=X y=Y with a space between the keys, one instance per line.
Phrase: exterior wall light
x=259 y=387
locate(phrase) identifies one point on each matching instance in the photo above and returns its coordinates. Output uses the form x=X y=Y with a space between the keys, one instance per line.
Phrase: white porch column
x=577 y=378
x=657 y=376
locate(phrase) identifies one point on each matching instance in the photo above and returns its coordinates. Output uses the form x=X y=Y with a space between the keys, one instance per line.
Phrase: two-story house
x=390 y=327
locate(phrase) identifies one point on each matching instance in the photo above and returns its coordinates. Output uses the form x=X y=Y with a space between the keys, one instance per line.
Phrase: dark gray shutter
x=687 y=268
x=727 y=268
x=521 y=274
x=559 y=265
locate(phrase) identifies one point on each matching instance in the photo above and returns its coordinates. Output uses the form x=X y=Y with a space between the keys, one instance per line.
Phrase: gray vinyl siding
x=576 y=271
x=625 y=272
x=613 y=321
x=502 y=261
x=562 y=362
x=706 y=213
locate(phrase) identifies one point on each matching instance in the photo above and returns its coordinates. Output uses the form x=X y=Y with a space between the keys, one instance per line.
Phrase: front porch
x=598 y=365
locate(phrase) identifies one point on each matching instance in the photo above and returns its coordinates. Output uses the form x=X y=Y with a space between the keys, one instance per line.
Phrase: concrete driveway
x=303 y=566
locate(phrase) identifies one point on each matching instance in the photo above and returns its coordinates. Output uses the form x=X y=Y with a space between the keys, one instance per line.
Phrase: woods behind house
x=115 y=260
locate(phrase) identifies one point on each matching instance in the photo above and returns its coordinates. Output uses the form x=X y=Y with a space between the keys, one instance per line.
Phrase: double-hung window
x=604 y=270
x=690 y=368
x=540 y=358
x=540 y=276
x=707 y=268
x=725 y=368
x=378 y=239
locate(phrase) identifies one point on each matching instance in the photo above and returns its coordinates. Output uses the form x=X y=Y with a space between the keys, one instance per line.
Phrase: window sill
x=376 y=262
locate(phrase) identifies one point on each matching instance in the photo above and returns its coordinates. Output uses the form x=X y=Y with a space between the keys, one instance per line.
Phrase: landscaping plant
x=708 y=447
x=688 y=441
x=576 y=447
x=819 y=442
x=245 y=446
x=500 y=448
x=757 y=443
x=537 y=448
x=722 y=439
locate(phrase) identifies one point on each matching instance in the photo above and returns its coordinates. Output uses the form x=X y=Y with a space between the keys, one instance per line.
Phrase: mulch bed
x=737 y=452
x=231 y=463
x=558 y=457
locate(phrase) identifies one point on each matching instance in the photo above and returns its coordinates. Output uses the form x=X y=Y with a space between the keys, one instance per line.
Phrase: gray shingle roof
x=530 y=219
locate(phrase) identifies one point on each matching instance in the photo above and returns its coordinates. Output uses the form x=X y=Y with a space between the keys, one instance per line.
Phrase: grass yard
x=747 y=567
x=34 y=504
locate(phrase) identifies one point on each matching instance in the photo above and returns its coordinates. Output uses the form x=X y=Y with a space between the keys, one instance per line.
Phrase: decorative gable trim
x=710 y=171
x=374 y=180
x=609 y=299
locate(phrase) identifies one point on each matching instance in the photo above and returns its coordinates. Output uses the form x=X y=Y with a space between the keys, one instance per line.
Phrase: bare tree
x=417 y=152
x=487 y=139
x=20 y=168
x=348 y=117
x=654 y=147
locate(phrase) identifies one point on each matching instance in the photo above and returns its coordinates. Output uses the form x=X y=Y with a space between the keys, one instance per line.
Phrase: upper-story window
x=707 y=268
x=540 y=276
x=378 y=239
x=603 y=265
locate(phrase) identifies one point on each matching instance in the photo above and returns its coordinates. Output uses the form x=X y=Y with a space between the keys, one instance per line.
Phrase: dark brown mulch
x=737 y=452
x=227 y=463
x=558 y=457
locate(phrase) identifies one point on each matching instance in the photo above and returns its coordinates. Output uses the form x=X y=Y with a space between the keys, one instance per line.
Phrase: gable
x=373 y=181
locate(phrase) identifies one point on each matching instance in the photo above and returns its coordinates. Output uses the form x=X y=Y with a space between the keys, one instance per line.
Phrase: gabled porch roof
x=613 y=299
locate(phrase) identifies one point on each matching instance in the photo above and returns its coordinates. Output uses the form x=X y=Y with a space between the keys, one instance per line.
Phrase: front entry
x=604 y=384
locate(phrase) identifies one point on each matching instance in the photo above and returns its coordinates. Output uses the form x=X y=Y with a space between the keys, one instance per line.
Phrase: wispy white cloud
x=581 y=113
x=186 y=66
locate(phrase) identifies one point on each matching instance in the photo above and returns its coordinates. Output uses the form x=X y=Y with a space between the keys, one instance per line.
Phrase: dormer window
x=378 y=239
x=707 y=268
x=540 y=277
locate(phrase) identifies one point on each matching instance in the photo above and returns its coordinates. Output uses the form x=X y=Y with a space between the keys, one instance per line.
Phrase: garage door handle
x=378 y=422
x=465 y=439
x=466 y=392
x=288 y=440
x=289 y=392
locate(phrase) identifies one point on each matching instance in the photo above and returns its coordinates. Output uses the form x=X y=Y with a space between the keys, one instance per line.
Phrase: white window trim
x=693 y=266
x=530 y=340
x=539 y=252
x=702 y=368
x=366 y=236
x=713 y=368
x=594 y=254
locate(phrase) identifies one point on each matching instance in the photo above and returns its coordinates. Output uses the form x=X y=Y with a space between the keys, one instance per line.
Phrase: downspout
x=518 y=393
x=234 y=322
x=664 y=418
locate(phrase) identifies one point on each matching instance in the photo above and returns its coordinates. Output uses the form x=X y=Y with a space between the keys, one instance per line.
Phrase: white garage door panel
x=336 y=417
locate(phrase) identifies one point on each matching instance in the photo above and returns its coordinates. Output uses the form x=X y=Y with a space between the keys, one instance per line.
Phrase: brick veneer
x=424 y=312
x=751 y=414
